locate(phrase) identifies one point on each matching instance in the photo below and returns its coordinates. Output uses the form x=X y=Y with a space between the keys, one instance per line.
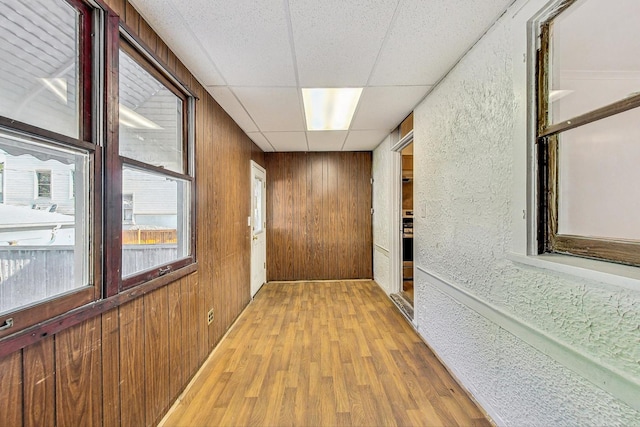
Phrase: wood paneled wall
x=319 y=216
x=127 y=366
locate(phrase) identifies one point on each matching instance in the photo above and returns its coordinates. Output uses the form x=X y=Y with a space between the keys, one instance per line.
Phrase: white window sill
x=610 y=273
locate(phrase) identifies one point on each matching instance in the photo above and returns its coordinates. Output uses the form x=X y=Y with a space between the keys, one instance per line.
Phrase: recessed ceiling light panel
x=330 y=108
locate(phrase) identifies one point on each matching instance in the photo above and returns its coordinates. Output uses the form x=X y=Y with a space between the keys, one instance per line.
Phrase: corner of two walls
x=382 y=211
x=532 y=345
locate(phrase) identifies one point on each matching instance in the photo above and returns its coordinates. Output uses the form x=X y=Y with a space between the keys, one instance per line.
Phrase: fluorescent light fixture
x=330 y=108
x=57 y=85
x=555 y=95
x=131 y=119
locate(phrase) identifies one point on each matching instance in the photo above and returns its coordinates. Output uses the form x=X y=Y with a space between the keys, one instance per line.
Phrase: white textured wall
x=530 y=344
x=382 y=211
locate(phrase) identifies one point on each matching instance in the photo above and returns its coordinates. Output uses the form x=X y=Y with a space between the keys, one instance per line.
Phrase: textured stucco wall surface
x=519 y=384
x=463 y=139
x=381 y=172
x=382 y=270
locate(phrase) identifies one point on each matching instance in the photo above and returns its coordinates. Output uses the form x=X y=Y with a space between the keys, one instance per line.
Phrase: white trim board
x=381 y=249
x=606 y=377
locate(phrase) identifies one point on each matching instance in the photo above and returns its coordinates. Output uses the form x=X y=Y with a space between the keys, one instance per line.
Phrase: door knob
x=255 y=237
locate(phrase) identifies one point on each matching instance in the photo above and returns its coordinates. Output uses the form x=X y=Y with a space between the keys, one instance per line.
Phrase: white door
x=258 y=227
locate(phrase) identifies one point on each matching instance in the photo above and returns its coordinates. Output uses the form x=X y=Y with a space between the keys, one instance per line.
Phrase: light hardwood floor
x=323 y=354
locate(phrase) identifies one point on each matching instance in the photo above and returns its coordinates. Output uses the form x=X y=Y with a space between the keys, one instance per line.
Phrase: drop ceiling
x=254 y=57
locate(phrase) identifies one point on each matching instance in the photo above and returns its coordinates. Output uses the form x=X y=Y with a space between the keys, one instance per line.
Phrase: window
x=43 y=183
x=127 y=209
x=588 y=135
x=258 y=226
x=46 y=131
x=154 y=167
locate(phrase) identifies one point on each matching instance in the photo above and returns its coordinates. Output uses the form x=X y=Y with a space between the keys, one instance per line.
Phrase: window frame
x=88 y=99
x=39 y=174
x=124 y=209
x=547 y=141
x=115 y=283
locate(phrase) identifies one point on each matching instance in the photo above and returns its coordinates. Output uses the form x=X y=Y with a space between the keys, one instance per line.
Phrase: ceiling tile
x=232 y=106
x=260 y=141
x=364 y=140
x=326 y=140
x=273 y=109
x=428 y=37
x=385 y=107
x=242 y=50
x=337 y=42
x=287 y=141
x=248 y=39
x=172 y=29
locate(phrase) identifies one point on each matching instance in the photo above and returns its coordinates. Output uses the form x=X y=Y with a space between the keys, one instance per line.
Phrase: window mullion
x=112 y=164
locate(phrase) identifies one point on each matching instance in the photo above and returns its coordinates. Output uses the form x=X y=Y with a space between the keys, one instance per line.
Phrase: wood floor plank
x=323 y=353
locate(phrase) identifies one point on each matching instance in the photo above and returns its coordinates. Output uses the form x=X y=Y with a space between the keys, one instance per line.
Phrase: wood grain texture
x=111 y=368
x=39 y=372
x=132 y=363
x=223 y=190
x=148 y=37
x=318 y=216
x=11 y=400
x=364 y=241
x=188 y=328
x=176 y=347
x=156 y=354
x=118 y=6
x=324 y=353
x=407 y=125
x=131 y=18
x=78 y=365
x=407 y=195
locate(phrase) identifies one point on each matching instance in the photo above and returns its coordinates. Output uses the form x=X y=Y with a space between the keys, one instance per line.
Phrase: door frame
x=396 y=216
x=258 y=167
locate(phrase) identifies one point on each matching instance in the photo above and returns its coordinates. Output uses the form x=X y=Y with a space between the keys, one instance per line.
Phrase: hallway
x=323 y=354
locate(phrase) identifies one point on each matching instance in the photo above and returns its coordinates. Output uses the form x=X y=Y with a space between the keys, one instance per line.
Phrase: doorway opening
x=258 y=224
x=407 y=224
x=402 y=221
